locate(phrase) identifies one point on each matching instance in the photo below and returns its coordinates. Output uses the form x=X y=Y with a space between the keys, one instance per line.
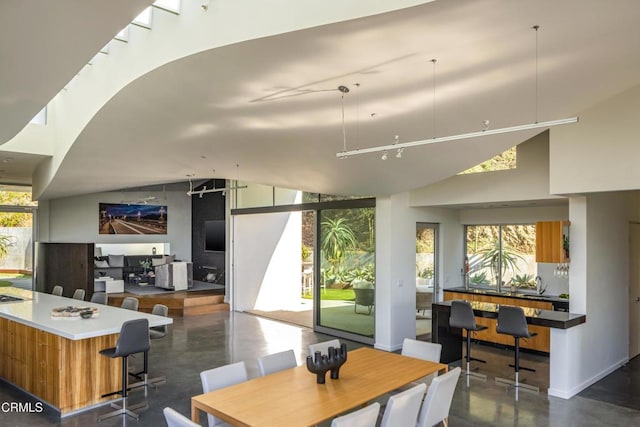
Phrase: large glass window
x=16 y=238
x=501 y=256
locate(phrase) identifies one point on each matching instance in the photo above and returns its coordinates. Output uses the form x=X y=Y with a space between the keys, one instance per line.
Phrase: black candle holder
x=321 y=363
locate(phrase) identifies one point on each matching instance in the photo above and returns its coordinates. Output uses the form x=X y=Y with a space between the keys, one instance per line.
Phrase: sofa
x=121 y=266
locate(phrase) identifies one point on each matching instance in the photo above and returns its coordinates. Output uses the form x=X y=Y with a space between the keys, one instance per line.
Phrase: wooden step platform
x=181 y=303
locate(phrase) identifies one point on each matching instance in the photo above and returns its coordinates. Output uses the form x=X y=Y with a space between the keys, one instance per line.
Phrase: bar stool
x=155 y=332
x=134 y=338
x=511 y=321
x=462 y=317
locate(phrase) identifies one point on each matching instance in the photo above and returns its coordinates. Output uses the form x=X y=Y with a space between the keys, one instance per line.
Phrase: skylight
x=503 y=161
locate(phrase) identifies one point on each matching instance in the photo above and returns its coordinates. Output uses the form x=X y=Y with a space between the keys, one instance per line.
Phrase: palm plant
x=5 y=243
x=524 y=281
x=337 y=239
x=499 y=259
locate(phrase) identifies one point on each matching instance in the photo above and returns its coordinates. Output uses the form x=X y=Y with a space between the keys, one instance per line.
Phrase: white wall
x=395 y=264
x=529 y=181
x=75 y=219
x=599 y=288
x=267 y=260
x=528 y=215
x=601 y=152
x=152 y=248
x=267 y=252
x=280 y=288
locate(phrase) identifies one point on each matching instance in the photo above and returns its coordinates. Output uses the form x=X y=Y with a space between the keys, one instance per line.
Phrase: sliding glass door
x=345 y=299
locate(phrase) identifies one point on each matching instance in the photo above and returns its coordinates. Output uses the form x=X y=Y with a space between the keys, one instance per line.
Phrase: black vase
x=321 y=363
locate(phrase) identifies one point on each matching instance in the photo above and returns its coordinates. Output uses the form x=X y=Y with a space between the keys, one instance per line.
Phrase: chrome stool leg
x=123 y=408
x=516 y=384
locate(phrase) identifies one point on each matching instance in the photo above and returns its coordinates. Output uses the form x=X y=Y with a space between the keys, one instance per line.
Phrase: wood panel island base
x=67 y=374
x=57 y=359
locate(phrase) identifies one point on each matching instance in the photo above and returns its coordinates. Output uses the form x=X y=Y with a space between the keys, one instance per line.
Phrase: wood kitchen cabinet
x=69 y=265
x=552 y=239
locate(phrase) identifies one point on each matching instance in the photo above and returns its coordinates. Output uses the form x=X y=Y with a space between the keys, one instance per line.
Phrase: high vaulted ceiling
x=271 y=105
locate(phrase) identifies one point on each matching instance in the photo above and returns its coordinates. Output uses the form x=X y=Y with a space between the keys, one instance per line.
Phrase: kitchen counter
x=486 y=314
x=534 y=316
x=35 y=311
x=517 y=295
x=554 y=312
x=57 y=359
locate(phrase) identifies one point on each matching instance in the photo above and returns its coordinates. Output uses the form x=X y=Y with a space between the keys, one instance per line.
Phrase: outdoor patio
x=337 y=314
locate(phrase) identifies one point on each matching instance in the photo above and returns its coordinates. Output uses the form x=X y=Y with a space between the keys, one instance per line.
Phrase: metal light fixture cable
x=536 y=27
x=343 y=90
x=433 y=107
x=484 y=132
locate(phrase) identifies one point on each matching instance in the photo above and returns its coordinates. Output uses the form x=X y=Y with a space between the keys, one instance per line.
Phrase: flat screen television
x=214 y=236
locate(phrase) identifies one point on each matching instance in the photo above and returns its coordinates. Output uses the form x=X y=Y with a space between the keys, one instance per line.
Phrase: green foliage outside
x=503 y=161
x=490 y=264
x=424 y=273
x=425 y=240
x=16 y=219
x=334 y=295
x=521 y=238
x=337 y=239
x=524 y=281
x=499 y=261
x=306 y=252
x=361 y=221
x=479 y=278
x=347 y=245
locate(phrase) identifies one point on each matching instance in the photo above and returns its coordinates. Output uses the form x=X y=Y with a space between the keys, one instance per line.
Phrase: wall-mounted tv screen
x=214 y=235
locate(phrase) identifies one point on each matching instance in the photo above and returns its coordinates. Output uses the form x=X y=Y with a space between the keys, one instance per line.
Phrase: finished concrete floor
x=203 y=342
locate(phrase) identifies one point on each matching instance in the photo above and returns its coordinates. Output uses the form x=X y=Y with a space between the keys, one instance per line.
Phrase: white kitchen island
x=57 y=358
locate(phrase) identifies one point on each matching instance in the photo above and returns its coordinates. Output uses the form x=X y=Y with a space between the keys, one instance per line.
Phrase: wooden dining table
x=293 y=398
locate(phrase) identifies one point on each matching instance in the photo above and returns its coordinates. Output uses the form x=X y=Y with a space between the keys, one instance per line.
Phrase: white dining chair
x=224 y=376
x=57 y=290
x=176 y=419
x=436 y=405
x=402 y=408
x=421 y=350
x=277 y=362
x=365 y=417
x=424 y=350
x=323 y=347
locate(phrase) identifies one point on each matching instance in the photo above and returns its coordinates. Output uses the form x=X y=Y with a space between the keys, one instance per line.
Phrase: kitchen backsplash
x=554 y=285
